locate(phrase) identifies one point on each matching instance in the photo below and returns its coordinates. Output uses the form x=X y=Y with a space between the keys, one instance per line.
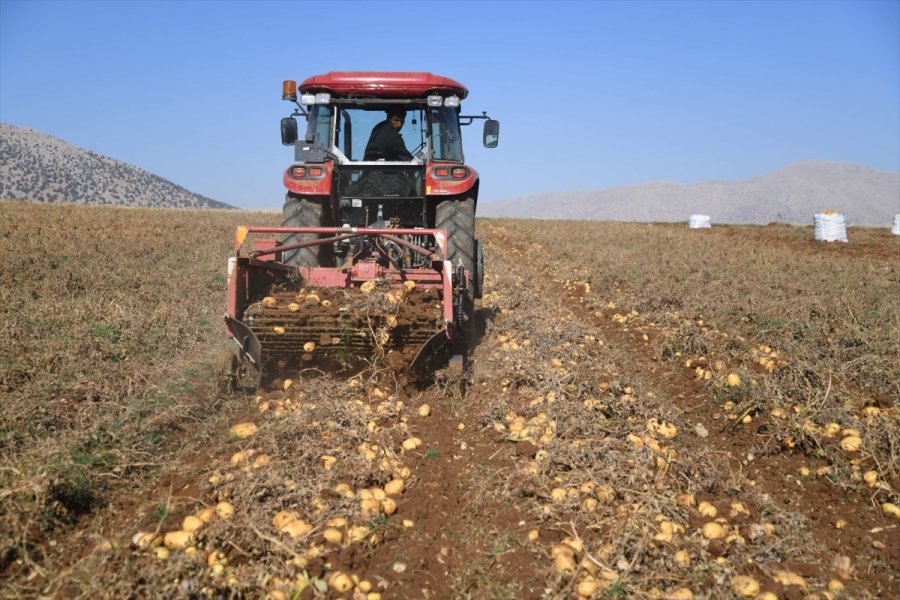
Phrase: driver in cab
x=385 y=142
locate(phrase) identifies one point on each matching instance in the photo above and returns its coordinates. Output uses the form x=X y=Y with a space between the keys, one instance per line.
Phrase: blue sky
x=589 y=94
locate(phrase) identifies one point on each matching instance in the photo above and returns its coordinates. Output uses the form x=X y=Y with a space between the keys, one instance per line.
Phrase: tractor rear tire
x=479 y=267
x=300 y=212
x=458 y=218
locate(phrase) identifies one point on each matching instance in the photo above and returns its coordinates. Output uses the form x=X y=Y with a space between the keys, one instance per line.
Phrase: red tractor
x=358 y=221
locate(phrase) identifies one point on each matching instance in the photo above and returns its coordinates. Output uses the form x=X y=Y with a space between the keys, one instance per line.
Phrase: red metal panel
x=365 y=270
x=319 y=186
x=448 y=187
x=382 y=84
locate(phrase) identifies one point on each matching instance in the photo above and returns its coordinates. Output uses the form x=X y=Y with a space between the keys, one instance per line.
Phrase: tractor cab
x=332 y=170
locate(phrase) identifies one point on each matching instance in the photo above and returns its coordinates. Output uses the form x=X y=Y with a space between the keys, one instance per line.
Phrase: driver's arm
x=398 y=148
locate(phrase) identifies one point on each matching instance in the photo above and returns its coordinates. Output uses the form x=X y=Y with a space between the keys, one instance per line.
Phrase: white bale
x=699 y=221
x=895 y=228
x=830 y=226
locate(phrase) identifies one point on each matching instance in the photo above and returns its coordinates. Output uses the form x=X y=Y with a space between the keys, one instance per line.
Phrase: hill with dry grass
x=790 y=195
x=37 y=166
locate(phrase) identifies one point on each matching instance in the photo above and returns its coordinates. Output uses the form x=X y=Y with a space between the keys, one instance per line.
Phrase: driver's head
x=396 y=117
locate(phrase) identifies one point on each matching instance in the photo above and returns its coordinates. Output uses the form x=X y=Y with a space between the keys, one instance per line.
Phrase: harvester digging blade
x=247 y=367
x=427 y=354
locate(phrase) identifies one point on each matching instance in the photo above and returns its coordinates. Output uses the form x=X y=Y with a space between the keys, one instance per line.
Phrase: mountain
x=36 y=166
x=790 y=195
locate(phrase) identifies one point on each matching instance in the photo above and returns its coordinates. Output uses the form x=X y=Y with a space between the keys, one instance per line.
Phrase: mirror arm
x=471 y=118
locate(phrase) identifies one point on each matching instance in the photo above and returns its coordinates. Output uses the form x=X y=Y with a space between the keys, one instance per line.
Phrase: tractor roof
x=382 y=84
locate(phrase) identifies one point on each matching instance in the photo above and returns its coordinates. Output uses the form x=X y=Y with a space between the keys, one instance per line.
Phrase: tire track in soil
x=450 y=539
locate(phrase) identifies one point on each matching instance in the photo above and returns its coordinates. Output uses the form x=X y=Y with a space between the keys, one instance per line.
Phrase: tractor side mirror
x=288 y=130
x=491 y=133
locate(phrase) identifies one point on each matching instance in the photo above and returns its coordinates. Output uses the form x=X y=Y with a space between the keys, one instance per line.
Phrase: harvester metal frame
x=250 y=274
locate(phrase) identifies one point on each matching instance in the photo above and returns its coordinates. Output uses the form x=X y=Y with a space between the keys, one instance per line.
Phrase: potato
x=394 y=487
x=340 y=582
x=269 y=302
x=225 y=510
x=563 y=559
x=890 y=509
x=707 y=510
x=411 y=443
x=558 y=494
x=142 y=539
x=243 y=430
x=663 y=428
x=686 y=500
x=738 y=508
x=332 y=535
x=713 y=531
x=370 y=506
x=191 y=524
x=216 y=557
x=240 y=457
x=388 y=506
x=745 y=586
x=357 y=533
x=296 y=528
x=587 y=587
x=788 y=578
x=177 y=540
x=733 y=380
x=851 y=443
x=282 y=518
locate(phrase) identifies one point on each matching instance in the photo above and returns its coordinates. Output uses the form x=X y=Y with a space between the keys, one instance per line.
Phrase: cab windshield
x=435 y=129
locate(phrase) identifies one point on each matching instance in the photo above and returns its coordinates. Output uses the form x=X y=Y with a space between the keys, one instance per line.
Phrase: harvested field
x=649 y=412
